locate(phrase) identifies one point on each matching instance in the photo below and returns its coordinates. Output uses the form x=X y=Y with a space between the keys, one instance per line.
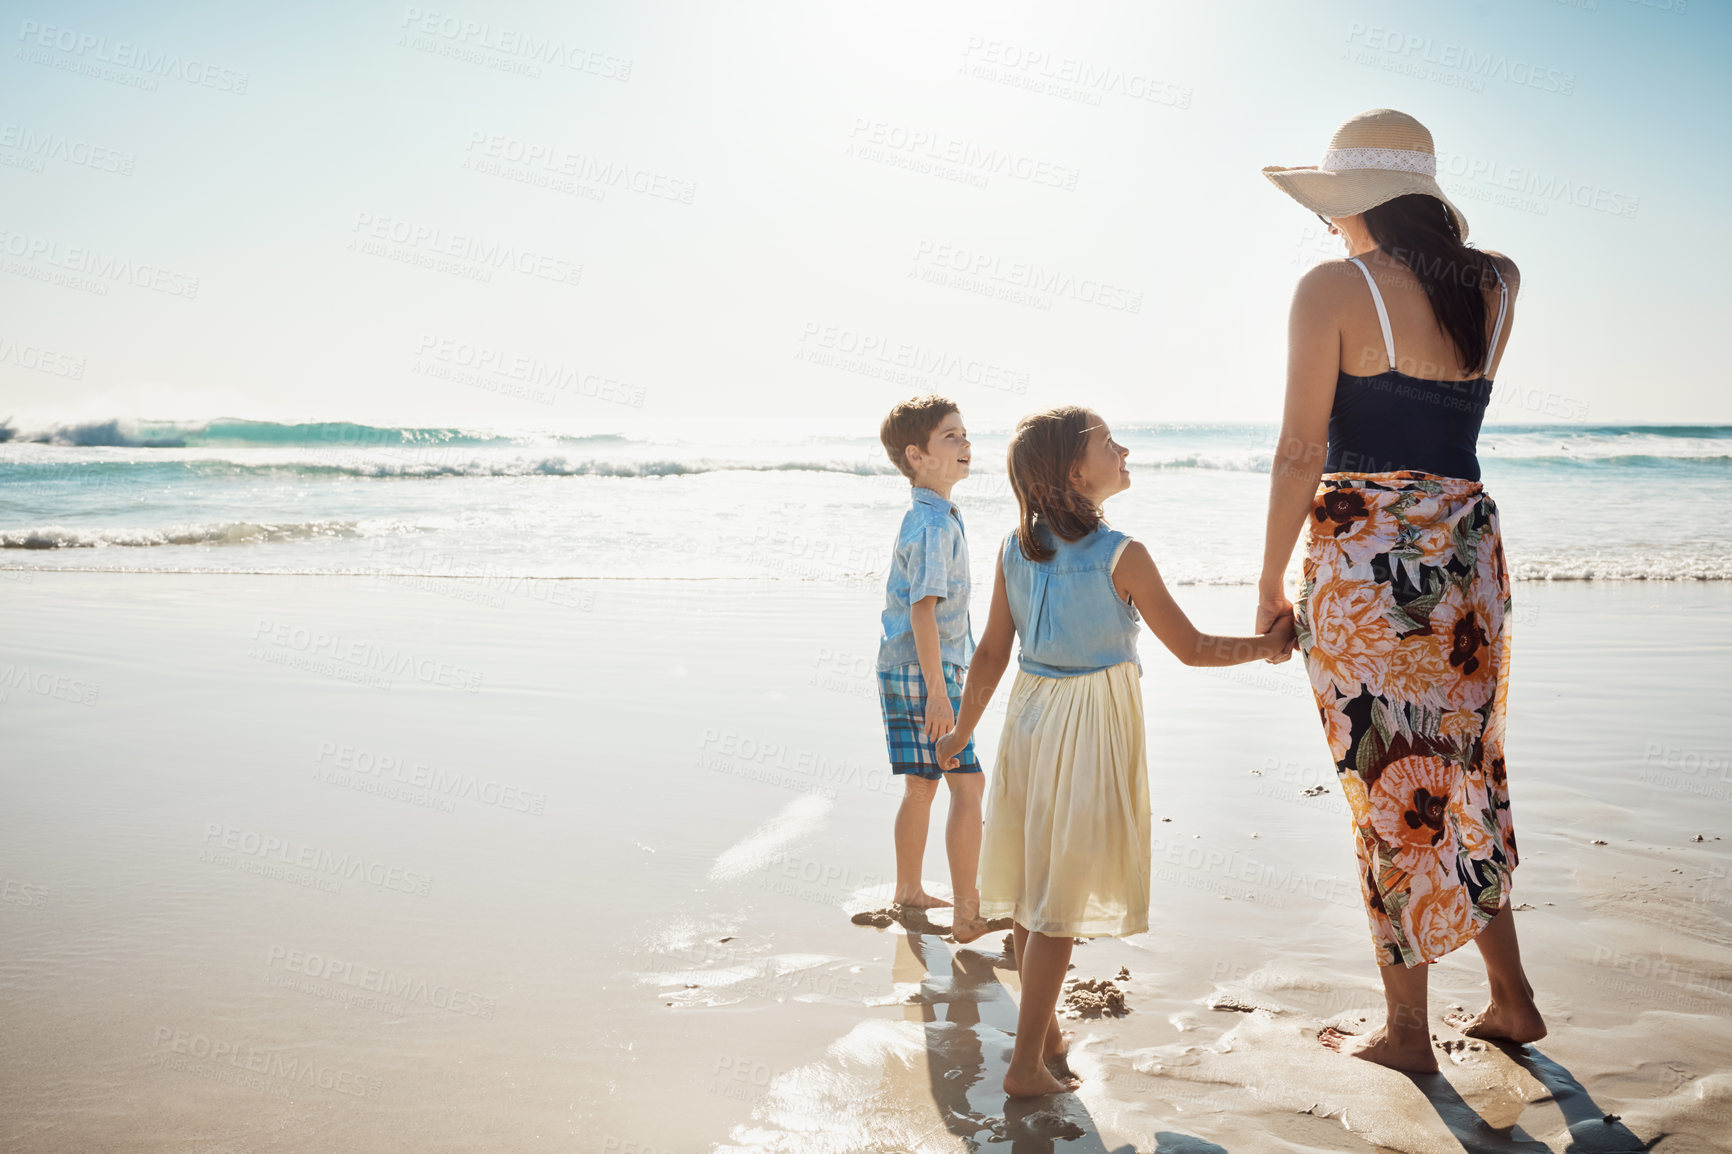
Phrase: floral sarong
x=1404 y=623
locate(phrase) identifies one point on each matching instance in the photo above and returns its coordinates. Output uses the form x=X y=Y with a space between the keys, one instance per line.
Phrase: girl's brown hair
x=1043 y=450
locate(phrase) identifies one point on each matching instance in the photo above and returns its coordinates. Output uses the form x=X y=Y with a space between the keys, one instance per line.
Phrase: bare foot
x=917 y=899
x=967 y=929
x=1376 y=1047
x=1496 y=1023
x=1034 y=1085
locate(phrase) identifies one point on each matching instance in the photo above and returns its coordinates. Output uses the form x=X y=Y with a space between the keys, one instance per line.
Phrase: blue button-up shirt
x=931 y=559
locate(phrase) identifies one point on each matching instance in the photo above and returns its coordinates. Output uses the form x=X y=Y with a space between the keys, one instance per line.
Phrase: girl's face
x=1101 y=471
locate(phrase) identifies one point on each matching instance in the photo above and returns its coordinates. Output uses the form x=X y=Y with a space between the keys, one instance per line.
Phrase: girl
x=1066 y=848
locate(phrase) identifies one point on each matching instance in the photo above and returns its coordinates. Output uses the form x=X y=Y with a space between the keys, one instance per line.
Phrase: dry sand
x=298 y=864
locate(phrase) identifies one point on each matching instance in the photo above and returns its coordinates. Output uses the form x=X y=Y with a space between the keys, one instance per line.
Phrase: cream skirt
x=1066 y=848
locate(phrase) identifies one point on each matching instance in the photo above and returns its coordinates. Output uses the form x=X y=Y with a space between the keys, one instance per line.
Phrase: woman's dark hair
x=1421 y=233
x=1042 y=451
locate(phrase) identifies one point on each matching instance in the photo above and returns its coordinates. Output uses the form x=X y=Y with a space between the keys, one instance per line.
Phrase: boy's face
x=946 y=455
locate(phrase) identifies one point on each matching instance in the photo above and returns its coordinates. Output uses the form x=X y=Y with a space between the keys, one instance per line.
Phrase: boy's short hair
x=911 y=423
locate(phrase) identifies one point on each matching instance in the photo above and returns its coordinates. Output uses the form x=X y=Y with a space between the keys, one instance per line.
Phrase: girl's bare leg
x=1042 y=961
x=1511 y=1015
x=1404 y=1040
x=962 y=846
x=913 y=817
x=1053 y=1046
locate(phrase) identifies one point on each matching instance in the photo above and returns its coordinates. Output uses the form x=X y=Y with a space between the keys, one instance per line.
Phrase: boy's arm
x=923 y=619
x=991 y=657
x=1137 y=576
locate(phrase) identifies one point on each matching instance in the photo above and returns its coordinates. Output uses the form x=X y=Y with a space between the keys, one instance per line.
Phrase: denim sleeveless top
x=1069 y=618
x=1392 y=421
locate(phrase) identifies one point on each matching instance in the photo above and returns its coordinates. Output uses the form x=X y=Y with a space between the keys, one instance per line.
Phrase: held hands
x=1275 y=617
x=948 y=747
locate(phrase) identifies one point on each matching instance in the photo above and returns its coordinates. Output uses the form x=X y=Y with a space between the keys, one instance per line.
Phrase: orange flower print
x=1460 y=621
x=1439 y=914
x=1336 y=727
x=1410 y=807
x=1350 y=636
x=1467 y=821
x=1415 y=669
x=1355 y=521
x=1435 y=531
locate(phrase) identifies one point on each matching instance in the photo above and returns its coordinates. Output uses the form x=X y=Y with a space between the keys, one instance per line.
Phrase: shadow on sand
x=1590 y=1130
x=970 y=1023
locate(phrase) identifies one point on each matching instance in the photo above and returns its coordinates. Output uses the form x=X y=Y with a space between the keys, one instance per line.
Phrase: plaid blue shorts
x=902 y=693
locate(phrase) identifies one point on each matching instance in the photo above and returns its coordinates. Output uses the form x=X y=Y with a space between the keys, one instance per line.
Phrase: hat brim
x=1350 y=192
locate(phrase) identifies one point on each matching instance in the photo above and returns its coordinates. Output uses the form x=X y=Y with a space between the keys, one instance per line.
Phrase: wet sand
x=297 y=863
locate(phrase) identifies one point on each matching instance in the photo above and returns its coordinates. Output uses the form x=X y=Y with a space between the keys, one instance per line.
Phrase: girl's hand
x=1272 y=605
x=948 y=747
x=940 y=718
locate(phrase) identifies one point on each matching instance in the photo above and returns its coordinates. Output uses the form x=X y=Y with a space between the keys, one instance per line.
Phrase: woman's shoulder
x=1507 y=267
x=1328 y=284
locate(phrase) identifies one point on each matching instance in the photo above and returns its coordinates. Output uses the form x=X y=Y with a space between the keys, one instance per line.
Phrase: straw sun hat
x=1373 y=157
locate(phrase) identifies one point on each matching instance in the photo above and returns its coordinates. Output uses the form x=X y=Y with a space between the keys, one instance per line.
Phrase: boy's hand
x=940 y=718
x=949 y=746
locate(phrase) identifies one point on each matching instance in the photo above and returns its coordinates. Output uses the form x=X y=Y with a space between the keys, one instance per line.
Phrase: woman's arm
x=1313 y=362
x=1137 y=577
x=991 y=656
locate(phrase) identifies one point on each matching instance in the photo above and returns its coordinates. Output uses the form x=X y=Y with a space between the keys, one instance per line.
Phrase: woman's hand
x=1272 y=605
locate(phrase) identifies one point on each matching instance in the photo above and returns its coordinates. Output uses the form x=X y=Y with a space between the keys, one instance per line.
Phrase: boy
x=924 y=652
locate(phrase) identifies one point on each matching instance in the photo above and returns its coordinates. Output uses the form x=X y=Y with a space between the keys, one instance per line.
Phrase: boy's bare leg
x=912 y=819
x=1043 y=961
x=962 y=846
x=1054 y=1048
x=1511 y=1015
x=1404 y=1040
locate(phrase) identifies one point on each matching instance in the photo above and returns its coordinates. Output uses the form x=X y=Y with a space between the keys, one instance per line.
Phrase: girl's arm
x=1136 y=577
x=1313 y=362
x=991 y=657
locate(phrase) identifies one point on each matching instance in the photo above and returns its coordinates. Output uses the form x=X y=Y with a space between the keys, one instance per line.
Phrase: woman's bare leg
x=1043 y=962
x=962 y=846
x=1511 y=1015
x=913 y=817
x=1404 y=1040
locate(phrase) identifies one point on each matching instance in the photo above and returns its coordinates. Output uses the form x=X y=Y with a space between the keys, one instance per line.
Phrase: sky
x=652 y=218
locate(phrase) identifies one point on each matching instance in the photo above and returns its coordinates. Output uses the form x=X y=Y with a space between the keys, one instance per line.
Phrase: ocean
x=1606 y=503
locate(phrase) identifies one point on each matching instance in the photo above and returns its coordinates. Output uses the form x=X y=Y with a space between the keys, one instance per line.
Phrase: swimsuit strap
x=1497 y=329
x=1382 y=313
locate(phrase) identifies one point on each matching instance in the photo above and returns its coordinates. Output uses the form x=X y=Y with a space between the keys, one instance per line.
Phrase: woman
x=1403 y=614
